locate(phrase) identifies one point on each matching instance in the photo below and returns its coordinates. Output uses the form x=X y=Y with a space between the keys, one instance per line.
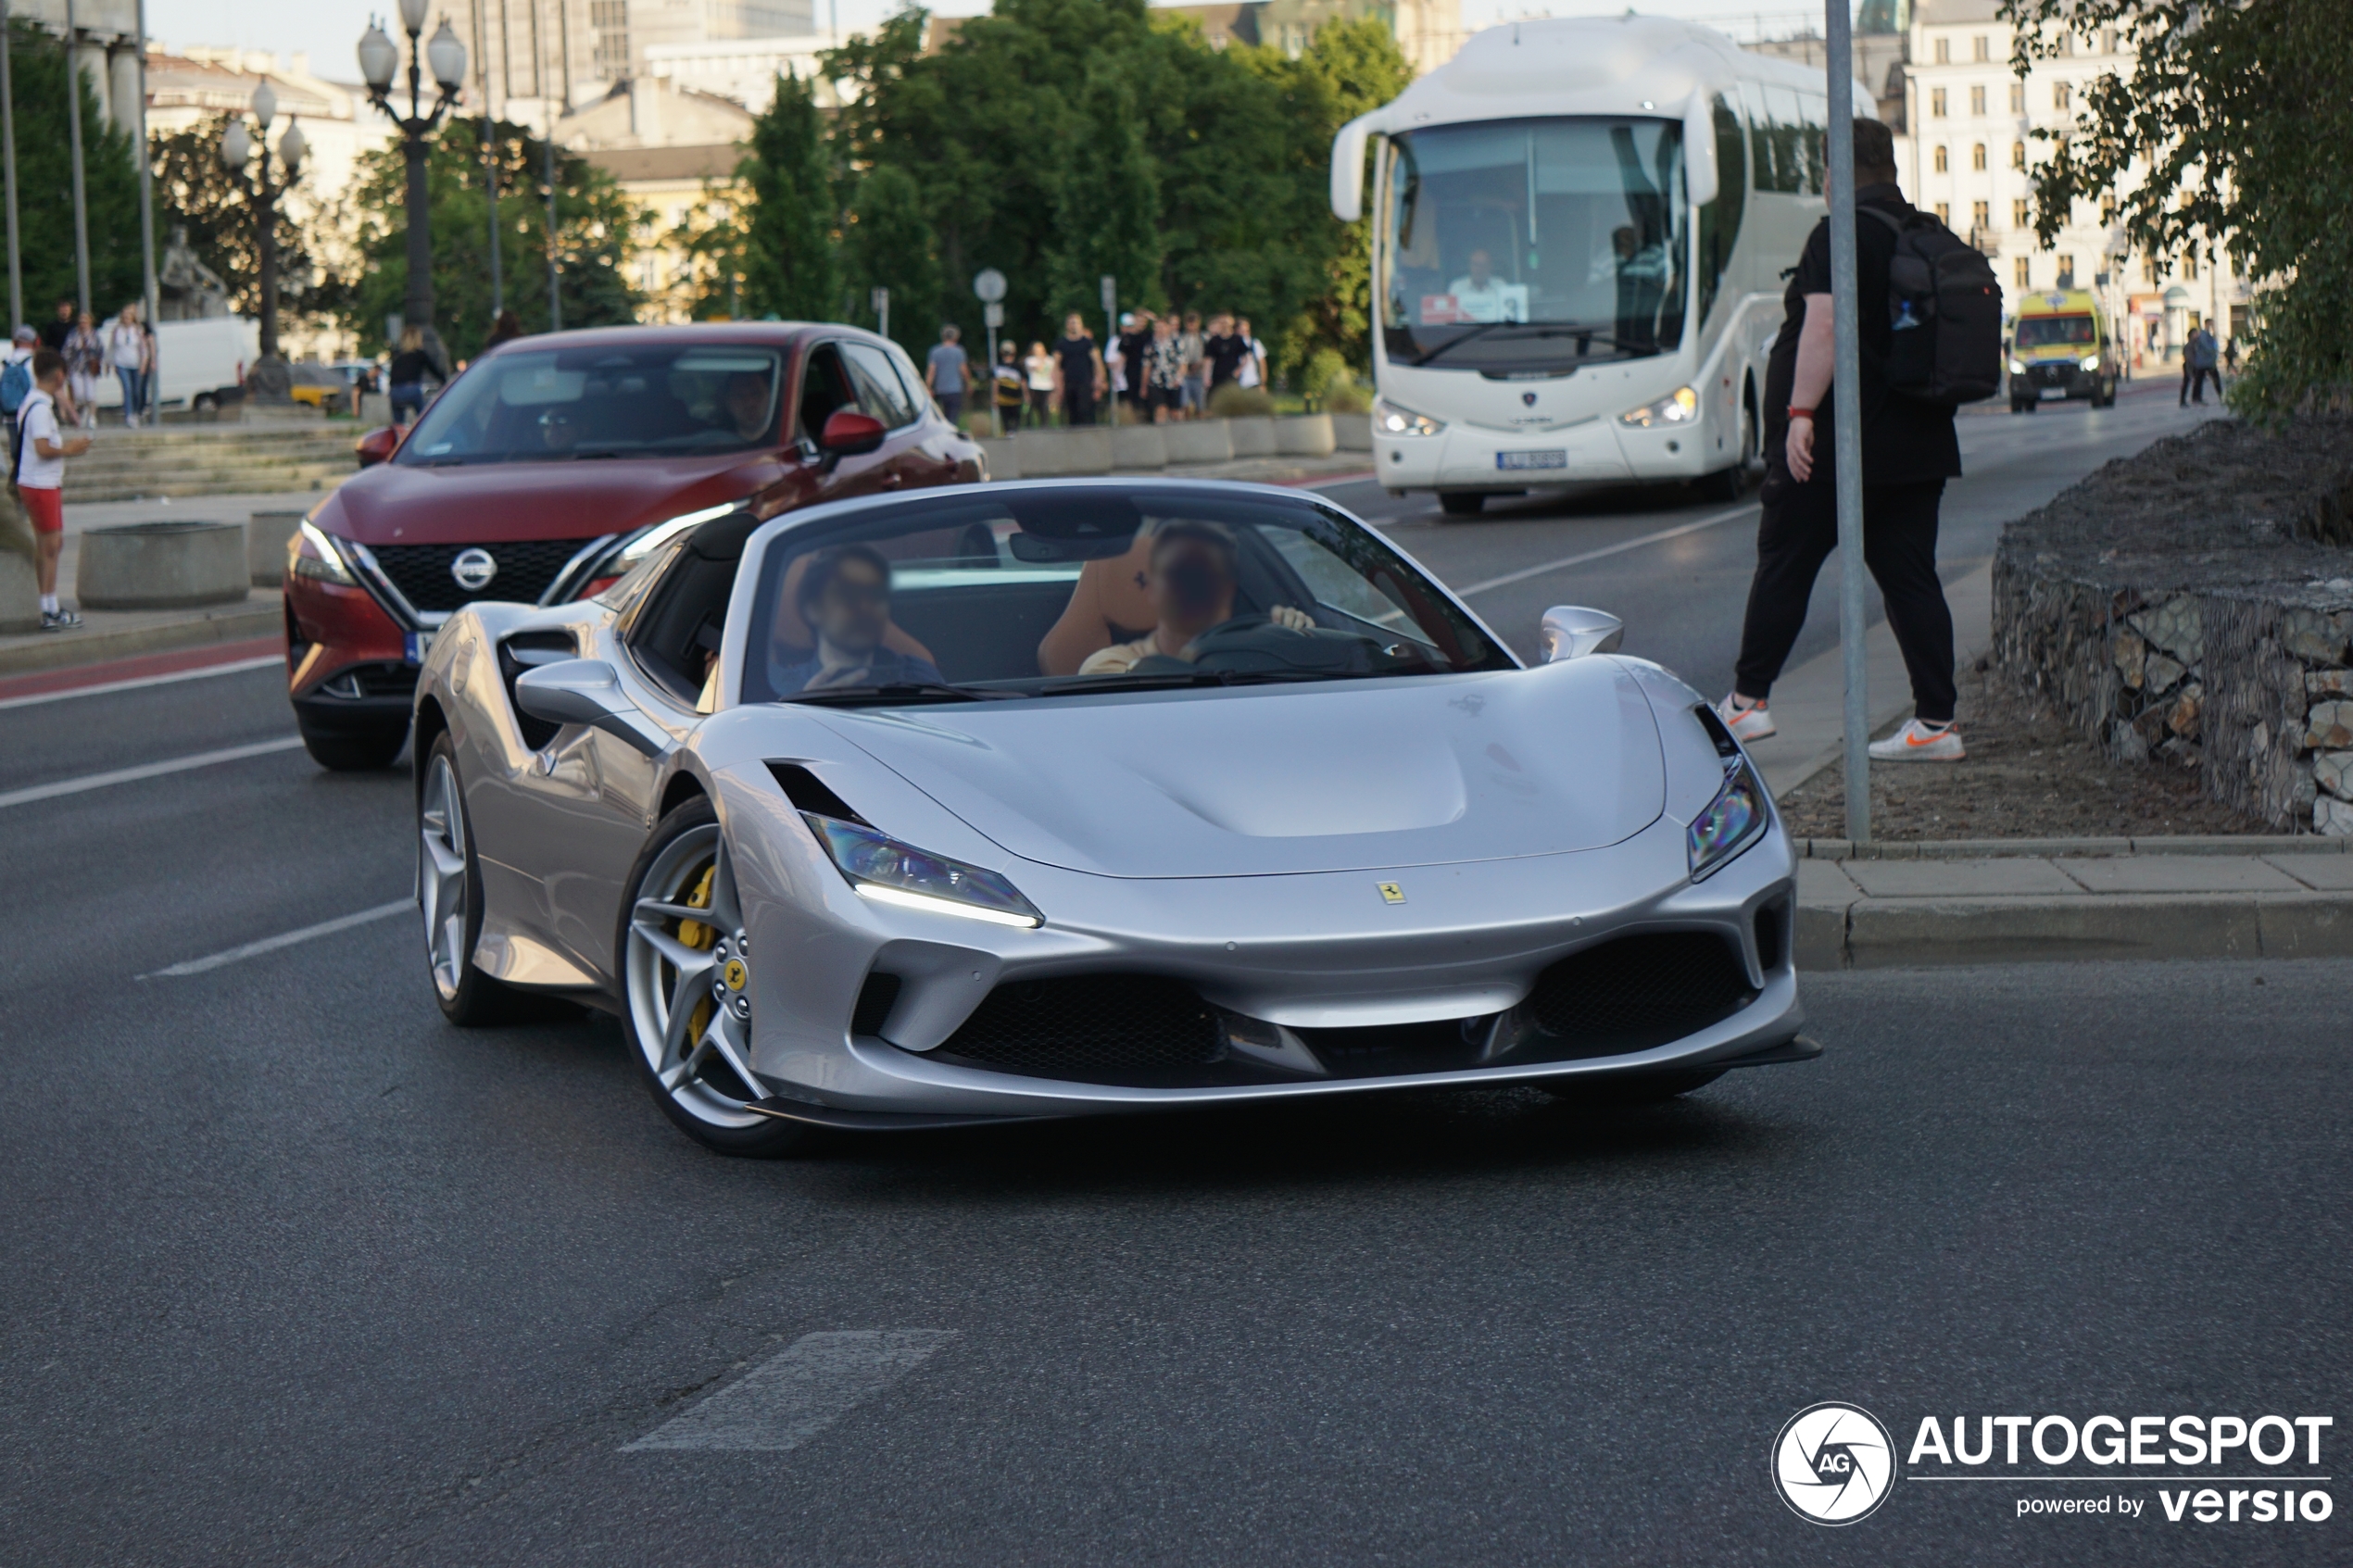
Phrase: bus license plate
x=416 y=645
x=1557 y=459
x=2051 y=392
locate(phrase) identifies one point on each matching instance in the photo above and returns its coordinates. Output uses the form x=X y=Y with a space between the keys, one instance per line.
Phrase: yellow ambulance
x=2062 y=347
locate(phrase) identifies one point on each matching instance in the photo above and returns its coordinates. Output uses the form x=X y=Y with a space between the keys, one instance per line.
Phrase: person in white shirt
x=42 y=451
x=1253 y=366
x=1480 y=297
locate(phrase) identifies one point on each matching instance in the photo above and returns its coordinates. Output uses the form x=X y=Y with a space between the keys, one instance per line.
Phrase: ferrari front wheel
x=686 y=991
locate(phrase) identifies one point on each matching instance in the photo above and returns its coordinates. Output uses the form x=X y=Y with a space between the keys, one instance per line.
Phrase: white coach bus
x=1580 y=232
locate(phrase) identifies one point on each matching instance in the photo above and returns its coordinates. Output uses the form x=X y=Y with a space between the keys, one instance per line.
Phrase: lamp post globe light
x=380 y=66
x=238 y=146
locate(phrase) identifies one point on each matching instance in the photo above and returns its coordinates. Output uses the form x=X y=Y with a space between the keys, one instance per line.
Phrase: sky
x=330 y=29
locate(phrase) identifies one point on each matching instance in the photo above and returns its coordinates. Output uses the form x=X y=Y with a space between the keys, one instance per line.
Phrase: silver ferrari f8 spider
x=1073 y=798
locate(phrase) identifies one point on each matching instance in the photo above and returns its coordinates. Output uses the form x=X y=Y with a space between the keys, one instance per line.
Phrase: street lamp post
x=379 y=62
x=237 y=148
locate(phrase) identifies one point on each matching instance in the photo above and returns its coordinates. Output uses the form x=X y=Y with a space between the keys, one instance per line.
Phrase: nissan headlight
x=312 y=553
x=1733 y=821
x=878 y=867
x=2091 y=362
x=1680 y=407
x=1390 y=419
x=2017 y=367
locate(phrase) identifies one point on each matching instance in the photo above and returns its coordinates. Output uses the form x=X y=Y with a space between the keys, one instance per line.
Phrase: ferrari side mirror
x=1572 y=631
x=585 y=691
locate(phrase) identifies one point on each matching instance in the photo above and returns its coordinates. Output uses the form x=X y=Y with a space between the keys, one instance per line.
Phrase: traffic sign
x=1111 y=294
x=992 y=315
x=989 y=284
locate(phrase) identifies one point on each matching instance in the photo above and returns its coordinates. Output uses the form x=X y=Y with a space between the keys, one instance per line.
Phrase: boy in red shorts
x=41 y=455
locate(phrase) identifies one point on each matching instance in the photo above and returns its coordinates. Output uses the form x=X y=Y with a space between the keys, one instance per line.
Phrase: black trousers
x=2193 y=380
x=1796 y=535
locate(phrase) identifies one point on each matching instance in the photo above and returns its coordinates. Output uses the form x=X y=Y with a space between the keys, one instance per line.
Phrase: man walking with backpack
x=1909 y=449
x=40 y=475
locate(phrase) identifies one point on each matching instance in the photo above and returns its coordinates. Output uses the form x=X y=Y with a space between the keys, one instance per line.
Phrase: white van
x=199 y=364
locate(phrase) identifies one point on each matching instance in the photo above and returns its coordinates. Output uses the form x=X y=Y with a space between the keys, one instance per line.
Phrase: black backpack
x=1944 y=314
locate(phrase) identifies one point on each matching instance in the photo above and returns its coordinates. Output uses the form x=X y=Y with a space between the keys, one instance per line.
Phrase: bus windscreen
x=1519 y=244
x=2041 y=332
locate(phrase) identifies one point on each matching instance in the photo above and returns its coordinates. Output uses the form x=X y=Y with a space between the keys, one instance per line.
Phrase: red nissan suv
x=553 y=463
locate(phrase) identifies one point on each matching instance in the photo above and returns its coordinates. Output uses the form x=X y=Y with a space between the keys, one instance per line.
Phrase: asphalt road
x=1681 y=596
x=298 y=1273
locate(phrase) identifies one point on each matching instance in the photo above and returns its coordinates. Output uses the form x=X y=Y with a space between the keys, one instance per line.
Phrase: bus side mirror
x=1699 y=149
x=1348 y=168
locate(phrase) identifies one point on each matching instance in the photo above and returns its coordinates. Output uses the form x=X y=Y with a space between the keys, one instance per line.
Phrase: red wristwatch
x=1801 y=413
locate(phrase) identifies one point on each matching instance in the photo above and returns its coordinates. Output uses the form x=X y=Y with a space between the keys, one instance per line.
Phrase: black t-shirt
x=1077 y=354
x=1225 y=356
x=53 y=334
x=409 y=366
x=1904 y=441
x=1133 y=346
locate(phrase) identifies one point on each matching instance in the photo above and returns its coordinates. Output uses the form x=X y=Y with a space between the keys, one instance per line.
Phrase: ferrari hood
x=1282 y=779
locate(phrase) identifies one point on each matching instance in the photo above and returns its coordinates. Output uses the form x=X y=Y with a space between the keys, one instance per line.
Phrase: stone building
x=1969 y=149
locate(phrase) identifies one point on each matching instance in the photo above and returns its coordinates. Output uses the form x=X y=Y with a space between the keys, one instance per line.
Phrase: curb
x=1901 y=933
x=233 y=624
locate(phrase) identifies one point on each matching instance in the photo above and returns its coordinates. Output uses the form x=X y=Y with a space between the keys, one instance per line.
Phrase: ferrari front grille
x=1637 y=992
x=1092 y=1028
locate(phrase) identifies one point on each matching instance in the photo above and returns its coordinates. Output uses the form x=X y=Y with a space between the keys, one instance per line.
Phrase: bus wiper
x=892 y=692
x=1584 y=335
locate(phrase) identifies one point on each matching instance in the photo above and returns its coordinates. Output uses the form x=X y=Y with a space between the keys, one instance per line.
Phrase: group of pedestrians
x=124 y=347
x=1160 y=367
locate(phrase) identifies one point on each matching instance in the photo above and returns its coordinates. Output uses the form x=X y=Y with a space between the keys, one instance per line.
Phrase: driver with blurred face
x=1190 y=583
x=747 y=403
x=845 y=597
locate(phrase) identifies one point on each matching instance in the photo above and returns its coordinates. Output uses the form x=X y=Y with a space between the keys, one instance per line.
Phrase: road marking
x=798 y=1393
x=286 y=940
x=239 y=667
x=145 y=770
x=1525 y=573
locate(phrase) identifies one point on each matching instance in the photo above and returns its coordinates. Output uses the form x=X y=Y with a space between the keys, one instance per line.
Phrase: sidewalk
x=2026 y=901
x=111 y=635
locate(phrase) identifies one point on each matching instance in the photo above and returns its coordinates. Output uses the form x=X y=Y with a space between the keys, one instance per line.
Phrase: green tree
x=2229 y=133
x=596 y=226
x=195 y=192
x=37 y=80
x=790 y=270
x=887 y=242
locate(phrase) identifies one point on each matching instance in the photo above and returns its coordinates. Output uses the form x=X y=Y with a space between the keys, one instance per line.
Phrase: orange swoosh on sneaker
x=1922 y=740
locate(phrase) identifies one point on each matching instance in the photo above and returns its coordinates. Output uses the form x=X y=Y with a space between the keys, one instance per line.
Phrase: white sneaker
x=1747 y=720
x=1917 y=742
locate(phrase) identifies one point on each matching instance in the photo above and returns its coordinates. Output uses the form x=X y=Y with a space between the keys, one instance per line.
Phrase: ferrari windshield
x=563 y=404
x=1042 y=592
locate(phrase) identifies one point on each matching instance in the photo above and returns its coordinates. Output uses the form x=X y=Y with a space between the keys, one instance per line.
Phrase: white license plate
x=416 y=646
x=1531 y=460
x=2051 y=392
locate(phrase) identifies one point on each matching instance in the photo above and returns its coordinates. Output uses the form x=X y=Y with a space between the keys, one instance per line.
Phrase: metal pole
x=489 y=170
x=73 y=130
x=265 y=218
x=547 y=166
x=1846 y=418
x=147 y=208
x=8 y=166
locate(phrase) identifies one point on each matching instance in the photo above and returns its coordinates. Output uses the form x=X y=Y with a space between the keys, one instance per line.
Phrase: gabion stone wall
x=2192 y=605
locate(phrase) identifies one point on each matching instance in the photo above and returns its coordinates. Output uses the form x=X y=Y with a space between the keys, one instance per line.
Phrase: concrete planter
x=1352 y=432
x=1138 y=447
x=19 y=594
x=162 y=566
x=1305 y=435
x=1253 y=437
x=1004 y=457
x=1197 y=441
x=1052 y=453
x=265 y=537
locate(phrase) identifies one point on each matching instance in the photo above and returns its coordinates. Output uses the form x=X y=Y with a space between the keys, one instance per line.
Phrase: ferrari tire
x=449 y=893
x=687 y=997
x=1637 y=1089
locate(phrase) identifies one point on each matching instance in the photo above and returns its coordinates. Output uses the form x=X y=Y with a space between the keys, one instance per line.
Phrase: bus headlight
x=2091 y=362
x=1680 y=407
x=1390 y=419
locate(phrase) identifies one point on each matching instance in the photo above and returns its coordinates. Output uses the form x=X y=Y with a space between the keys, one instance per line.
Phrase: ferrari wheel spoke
x=720 y=1037
x=678 y=1075
x=684 y=959
x=676 y=1028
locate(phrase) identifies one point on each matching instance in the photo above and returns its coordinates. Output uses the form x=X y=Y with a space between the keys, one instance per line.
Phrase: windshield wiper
x=892 y=692
x=1532 y=328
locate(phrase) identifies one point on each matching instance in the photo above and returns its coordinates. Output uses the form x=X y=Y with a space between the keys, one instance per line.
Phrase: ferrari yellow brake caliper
x=695 y=934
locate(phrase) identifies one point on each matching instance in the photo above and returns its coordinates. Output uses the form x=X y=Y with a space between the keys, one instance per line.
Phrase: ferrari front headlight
x=1733 y=821
x=878 y=867
x=1390 y=419
x=1680 y=407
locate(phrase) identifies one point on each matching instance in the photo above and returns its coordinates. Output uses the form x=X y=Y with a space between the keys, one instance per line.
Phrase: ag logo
x=473 y=570
x=1834 y=1463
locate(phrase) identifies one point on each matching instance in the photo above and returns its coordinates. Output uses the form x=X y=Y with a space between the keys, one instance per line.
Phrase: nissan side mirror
x=377 y=446
x=848 y=433
x=585 y=691
x=1573 y=631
